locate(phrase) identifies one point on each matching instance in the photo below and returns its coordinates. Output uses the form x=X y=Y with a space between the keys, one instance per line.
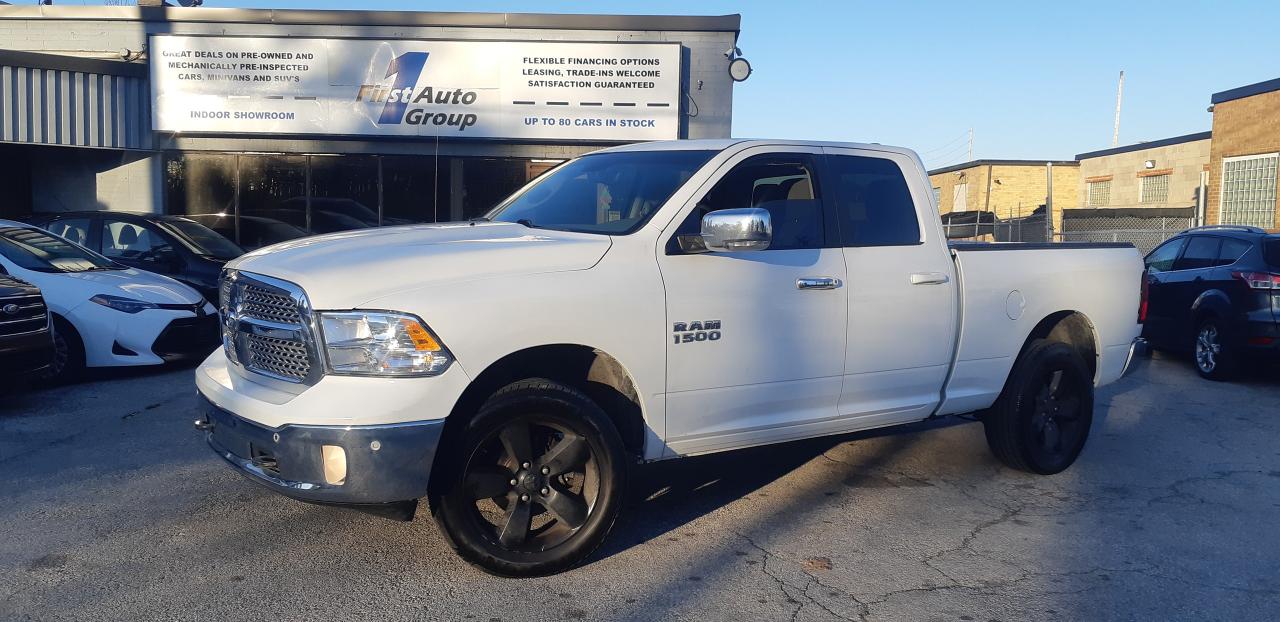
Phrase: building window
x=1249 y=191
x=1099 y=193
x=937 y=196
x=1154 y=189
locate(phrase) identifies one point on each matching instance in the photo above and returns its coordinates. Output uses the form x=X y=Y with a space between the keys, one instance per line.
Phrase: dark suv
x=177 y=247
x=26 y=340
x=1215 y=291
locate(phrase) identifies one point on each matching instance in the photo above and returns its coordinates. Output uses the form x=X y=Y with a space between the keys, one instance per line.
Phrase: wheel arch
x=1210 y=302
x=593 y=371
x=1072 y=328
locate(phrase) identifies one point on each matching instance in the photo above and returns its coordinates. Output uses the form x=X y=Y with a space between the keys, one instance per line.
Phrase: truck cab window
x=873 y=202
x=783 y=184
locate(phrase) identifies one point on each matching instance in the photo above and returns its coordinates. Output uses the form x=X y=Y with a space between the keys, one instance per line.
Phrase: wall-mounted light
x=1149 y=164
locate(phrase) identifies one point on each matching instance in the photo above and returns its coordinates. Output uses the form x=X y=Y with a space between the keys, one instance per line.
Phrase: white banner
x=454 y=89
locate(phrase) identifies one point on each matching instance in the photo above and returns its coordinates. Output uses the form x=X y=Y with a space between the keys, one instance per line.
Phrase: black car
x=26 y=338
x=1215 y=291
x=177 y=247
x=255 y=231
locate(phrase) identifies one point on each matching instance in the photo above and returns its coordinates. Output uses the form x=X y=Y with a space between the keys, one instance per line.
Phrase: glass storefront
x=261 y=199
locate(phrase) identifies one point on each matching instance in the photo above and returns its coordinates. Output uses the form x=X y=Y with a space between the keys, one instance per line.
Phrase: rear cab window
x=873 y=202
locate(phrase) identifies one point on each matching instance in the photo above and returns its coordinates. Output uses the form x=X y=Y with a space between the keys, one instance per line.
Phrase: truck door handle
x=929 y=278
x=821 y=282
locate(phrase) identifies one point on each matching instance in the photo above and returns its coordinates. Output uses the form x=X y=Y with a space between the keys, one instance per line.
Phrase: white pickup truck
x=642 y=303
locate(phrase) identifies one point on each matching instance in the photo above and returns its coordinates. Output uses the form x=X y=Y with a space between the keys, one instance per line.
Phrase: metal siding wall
x=54 y=107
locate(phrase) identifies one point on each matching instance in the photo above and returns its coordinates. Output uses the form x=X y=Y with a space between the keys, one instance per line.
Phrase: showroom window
x=260 y=199
x=1249 y=191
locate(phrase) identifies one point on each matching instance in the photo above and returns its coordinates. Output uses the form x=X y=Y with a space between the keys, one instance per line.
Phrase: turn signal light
x=1259 y=280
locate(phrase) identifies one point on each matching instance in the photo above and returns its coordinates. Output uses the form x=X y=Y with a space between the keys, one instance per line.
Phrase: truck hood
x=346 y=269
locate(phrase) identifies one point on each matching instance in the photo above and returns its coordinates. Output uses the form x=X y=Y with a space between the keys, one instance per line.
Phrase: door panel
x=1188 y=279
x=1159 y=263
x=750 y=355
x=902 y=313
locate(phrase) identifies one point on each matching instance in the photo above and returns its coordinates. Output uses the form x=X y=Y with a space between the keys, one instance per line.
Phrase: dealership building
x=266 y=122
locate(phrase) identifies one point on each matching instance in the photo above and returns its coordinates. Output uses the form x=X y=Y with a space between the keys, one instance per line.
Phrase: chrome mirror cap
x=731 y=230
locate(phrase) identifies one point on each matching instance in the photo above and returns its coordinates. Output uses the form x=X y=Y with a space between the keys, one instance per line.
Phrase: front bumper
x=384 y=463
x=25 y=355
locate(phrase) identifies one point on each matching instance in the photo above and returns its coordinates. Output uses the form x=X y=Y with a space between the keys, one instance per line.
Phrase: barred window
x=1249 y=191
x=1099 y=193
x=1155 y=189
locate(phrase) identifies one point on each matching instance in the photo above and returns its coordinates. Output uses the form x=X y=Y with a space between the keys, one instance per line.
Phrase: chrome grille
x=29 y=314
x=269 y=305
x=285 y=358
x=266 y=328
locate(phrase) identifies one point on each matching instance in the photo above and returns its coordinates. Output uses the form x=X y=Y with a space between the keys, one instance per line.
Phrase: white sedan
x=106 y=314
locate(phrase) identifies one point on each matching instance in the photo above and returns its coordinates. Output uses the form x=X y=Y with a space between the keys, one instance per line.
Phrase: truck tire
x=534 y=483
x=1212 y=351
x=1041 y=421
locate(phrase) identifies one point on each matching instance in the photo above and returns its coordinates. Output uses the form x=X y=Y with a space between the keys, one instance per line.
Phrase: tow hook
x=203 y=425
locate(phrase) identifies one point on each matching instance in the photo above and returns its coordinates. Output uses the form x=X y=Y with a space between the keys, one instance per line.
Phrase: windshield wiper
x=526 y=222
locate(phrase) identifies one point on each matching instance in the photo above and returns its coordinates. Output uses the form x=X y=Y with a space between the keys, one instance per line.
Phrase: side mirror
x=729 y=230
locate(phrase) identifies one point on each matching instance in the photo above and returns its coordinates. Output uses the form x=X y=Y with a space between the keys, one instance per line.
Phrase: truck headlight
x=380 y=343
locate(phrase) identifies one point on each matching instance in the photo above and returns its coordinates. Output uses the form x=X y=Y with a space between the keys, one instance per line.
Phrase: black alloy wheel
x=536 y=483
x=1041 y=421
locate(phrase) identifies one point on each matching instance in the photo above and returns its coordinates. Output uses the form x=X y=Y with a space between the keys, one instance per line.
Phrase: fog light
x=335 y=464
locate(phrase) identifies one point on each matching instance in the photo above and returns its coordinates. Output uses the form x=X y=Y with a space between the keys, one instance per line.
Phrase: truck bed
x=1004 y=297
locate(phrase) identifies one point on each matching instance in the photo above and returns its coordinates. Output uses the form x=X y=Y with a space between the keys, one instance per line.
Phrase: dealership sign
x=451 y=89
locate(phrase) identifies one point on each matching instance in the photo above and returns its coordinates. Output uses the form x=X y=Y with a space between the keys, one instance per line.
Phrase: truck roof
x=720 y=144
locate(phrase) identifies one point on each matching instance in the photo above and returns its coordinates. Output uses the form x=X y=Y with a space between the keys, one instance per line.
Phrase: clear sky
x=1033 y=80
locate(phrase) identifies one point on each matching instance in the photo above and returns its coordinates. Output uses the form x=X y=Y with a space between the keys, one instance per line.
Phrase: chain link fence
x=1145 y=228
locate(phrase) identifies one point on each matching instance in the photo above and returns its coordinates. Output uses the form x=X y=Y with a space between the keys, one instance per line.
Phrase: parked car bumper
x=1138 y=350
x=345 y=465
x=25 y=355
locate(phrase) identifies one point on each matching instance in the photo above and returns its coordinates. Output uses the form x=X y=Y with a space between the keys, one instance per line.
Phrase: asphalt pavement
x=113 y=508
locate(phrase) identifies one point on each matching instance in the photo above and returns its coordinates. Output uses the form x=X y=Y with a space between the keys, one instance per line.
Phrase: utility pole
x=970 y=144
x=1115 y=134
x=1048 y=202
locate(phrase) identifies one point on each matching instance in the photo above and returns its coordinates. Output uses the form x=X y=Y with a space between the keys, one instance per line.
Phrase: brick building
x=1159 y=174
x=1242 y=163
x=1008 y=188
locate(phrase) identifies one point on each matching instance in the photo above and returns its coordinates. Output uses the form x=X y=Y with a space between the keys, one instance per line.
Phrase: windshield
x=37 y=250
x=609 y=193
x=203 y=240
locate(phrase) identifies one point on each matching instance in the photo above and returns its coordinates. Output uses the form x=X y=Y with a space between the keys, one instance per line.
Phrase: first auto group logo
x=406 y=102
